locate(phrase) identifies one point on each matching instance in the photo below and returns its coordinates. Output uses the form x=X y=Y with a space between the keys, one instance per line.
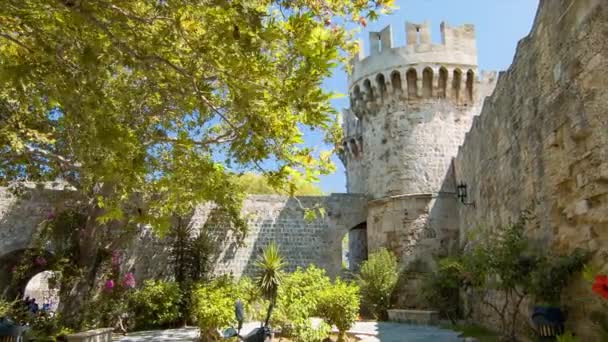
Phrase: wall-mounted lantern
x=462 y=194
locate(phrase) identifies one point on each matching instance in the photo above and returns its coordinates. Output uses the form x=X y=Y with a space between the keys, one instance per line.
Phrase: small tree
x=271 y=265
x=377 y=279
x=339 y=306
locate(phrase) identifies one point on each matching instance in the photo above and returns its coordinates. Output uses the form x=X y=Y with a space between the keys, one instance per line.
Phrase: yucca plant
x=270 y=264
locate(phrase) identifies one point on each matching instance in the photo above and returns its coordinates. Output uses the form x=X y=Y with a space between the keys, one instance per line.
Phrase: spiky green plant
x=270 y=264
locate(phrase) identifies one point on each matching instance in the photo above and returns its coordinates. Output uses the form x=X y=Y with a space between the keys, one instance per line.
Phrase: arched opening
x=354 y=247
x=396 y=81
x=456 y=84
x=354 y=147
x=412 y=83
x=369 y=92
x=357 y=92
x=427 y=82
x=21 y=266
x=469 y=85
x=443 y=82
x=42 y=293
x=381 y=84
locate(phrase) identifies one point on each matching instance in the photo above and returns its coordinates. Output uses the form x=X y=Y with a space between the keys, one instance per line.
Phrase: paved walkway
x=366 y=331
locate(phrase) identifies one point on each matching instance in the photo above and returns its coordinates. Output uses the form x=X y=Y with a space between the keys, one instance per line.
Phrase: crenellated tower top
x=457 y=47
x=410 y=107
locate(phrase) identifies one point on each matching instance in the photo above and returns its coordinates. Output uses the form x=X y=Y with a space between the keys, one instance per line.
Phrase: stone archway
x=357 y=246
x=14 y=283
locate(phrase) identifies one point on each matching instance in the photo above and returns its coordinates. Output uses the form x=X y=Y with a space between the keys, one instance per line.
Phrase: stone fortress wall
x=269 y=217
x=541 y=144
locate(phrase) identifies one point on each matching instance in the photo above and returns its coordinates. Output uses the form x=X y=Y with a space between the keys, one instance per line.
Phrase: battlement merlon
x=457 y=47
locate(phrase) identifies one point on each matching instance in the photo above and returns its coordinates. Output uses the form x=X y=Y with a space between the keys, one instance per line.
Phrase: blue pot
x=549 y=320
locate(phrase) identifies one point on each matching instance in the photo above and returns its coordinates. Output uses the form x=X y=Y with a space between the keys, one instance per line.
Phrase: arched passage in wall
x=40 y=288
x=21 y=266
x=412 y=83
x=354 y=247
x=469 y=85
x=443 y=82
x=456 y=81
x=427 y=83
x=381 y=82
x=396 y=81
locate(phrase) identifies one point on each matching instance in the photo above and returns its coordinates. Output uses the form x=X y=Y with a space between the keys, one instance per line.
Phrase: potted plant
x=551 y=275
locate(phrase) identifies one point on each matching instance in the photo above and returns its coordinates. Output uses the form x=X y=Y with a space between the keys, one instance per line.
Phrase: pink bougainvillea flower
x=50 y=216
x=40 y=261
x=600 y=286
x=109 y=285
x=129 y=281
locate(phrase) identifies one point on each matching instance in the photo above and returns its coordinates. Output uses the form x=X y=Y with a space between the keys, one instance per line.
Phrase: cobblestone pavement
x=366 y=331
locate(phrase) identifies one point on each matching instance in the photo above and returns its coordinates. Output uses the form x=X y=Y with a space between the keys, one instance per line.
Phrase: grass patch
x=476 y=331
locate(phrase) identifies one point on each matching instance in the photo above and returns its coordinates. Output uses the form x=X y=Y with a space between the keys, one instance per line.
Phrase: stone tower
x=410 y=108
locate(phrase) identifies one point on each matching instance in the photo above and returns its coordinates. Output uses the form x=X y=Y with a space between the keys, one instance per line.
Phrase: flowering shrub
x=129 y=281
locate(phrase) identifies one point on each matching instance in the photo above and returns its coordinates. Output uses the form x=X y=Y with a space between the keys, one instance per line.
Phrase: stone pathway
x=366 y=331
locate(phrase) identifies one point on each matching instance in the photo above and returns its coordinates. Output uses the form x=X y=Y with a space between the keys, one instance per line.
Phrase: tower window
x=412 y=83
x=443 y=82
x=469 y=85
x=427 y=82
x=381 y=84
x=396 y=81
x=456 y=84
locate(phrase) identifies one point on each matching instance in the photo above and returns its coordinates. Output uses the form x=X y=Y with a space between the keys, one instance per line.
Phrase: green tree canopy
x=159 y=99
x=256 y=184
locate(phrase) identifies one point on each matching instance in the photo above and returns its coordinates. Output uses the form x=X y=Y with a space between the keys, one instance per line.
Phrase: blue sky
x=499 y=25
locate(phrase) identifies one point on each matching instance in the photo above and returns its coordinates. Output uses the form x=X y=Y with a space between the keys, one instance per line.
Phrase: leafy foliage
x=377 y=279
x=213 y=303
x=157 y=304
x=441 y=288
x=339 y=305
x=214 y=306
x=5 y=307
x=47 y=329
x=256 y=184
x=567 y=336
x=147 y=108
x=270 y=264
x=553 y=273
x=141 y=95
x=298 y=298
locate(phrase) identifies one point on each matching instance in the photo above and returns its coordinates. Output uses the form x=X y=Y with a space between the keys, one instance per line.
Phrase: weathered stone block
x=426 y=317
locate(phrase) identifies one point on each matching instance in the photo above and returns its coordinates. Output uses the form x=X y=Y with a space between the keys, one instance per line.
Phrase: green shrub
x=5 y=307
x=157 y=304
x=377 y=279
x=214 y=304
x=339 y=305
x=441 y=288
x=297 y=299
x=303 y=331
x=553 y=274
